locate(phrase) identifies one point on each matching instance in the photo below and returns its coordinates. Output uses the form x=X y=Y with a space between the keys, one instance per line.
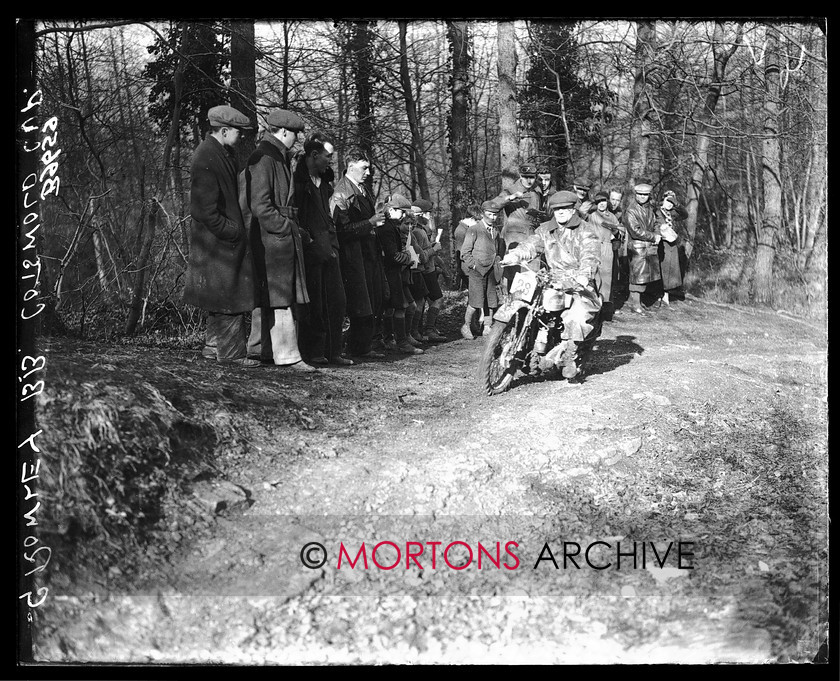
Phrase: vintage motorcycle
x=526 y=333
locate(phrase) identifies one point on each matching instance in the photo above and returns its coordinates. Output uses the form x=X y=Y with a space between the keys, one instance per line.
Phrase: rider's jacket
x=570 y=250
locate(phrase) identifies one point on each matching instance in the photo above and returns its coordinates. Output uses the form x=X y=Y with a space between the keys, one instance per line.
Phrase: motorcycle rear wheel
x=495 y=377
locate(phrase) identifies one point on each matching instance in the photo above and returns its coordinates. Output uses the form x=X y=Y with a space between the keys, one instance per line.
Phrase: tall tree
x=721 y=54
x=418 y=145
x=506 y=96
x=640 y=126
x=243 y=82
x=771 y=214
x=556 y=100
x=361 y=49
x=206 y=56
x=461 y=195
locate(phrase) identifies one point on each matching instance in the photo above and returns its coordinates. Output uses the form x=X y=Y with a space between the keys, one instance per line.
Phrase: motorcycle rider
x=571 y=248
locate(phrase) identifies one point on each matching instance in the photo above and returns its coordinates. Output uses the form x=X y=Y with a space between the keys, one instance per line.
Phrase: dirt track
x=701 y=424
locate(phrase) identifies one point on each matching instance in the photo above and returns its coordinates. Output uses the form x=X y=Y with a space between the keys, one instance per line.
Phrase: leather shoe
x=299 y=366
x=434 y=336
x=323 y=361
x=407 y=348
x=342 y=361
x=245 y=362
x=372 y=354
x=466 y=332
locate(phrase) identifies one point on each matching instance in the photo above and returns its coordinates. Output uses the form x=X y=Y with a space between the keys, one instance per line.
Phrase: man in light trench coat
x=266 y=194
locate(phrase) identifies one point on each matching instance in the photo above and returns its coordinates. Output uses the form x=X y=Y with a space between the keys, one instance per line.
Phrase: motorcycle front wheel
x=497 y=367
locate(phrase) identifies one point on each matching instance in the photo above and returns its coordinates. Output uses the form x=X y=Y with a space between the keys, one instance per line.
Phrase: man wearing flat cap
x=642 y=244
x=267 y=197
x=572 y=252
x=522 y=196
x=220 y=272
x=583 y=206
x=483 y=245
x=521 y=205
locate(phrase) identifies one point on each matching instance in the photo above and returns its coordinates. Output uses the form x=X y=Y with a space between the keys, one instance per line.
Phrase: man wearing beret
x=322 y=320
x=642 y=244
x=572 y=252
x=355 y=217
x=267 y=197
x=220 y=276
x=480 y=252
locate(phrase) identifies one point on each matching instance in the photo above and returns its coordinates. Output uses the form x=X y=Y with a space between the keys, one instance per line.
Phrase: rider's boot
x=569 y=360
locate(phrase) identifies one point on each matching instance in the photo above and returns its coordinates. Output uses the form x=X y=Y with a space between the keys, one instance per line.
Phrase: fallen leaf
x=764 y=567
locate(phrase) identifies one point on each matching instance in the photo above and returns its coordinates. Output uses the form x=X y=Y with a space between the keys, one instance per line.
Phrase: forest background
x=730 y=114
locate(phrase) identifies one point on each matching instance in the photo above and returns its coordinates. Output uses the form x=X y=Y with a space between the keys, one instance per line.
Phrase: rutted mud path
x=685 y=421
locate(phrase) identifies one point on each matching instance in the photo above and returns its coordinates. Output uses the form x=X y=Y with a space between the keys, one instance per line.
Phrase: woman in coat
x=609 y=234
x=669 y=248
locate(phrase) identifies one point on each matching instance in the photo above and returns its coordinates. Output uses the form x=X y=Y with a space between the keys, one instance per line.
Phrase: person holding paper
x=399 y=306
x=669 y=247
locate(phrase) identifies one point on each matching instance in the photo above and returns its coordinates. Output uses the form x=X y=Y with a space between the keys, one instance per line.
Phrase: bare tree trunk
x=640 y=126
x=243 y=82
x=101 y=266
x=360 y=46
x=506 y=94
x=284 y=100
x=815 y=191
x=418 y=154
x=701 y=149
x=136 y=306
x=462 y=184
x=771 y=216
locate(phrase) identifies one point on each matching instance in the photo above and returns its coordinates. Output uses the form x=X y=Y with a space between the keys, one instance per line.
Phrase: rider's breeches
x=578 y=318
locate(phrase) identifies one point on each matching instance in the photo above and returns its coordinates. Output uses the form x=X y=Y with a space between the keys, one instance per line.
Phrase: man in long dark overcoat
x=219 y=272
x=267 y=197
x=355 y=217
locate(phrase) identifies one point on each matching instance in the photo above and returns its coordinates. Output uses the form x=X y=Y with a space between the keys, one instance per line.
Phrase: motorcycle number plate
x=523 y=286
